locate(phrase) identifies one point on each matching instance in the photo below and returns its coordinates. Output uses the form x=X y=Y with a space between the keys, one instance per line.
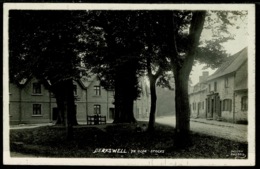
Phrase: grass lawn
x=50 y=141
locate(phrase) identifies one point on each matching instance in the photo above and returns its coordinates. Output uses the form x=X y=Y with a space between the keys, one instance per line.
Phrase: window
x=75 y=90
x=244 y=103
x=97 y=109
x=97 y=90
x=209 y=87
x=37 y=109
x=215 y=86
x=226 y=82
x=194 y=106
x=202 y=105
x=37 y=88
x=227 y=105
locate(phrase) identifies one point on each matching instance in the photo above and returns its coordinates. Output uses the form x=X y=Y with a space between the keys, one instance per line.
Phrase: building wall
x=198 y=104
x=142 y=104
x=14 y=105
x=21 y=106
x=165 y=104
x=240 y=114
x=22 y=111
x=27 y=112
x=241 y=78
x=80 y=102
x=142 y=107
x=241 y=85
x=224 y=92
x=28 y=98
x=105 y=99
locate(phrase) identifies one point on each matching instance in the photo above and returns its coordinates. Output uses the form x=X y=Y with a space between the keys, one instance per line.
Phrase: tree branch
x=148 y=66
x=196 y=28
x=175 y=48
x=158 y=73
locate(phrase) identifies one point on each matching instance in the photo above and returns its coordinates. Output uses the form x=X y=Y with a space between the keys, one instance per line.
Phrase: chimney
x=200 y=79
x=205 y=75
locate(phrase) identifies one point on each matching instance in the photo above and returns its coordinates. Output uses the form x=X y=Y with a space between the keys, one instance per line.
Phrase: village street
x=235 y=132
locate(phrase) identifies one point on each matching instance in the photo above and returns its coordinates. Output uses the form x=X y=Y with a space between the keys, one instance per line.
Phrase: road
x=235 y=132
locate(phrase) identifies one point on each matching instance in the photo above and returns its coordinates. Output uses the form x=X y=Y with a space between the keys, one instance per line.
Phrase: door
x=212 y=108
x=220 y=109
x=111 y=113
x=198 y=112
x=55 y=113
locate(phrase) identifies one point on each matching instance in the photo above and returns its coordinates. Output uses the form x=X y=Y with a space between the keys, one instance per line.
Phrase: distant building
x=197 y=97
x=31 y=102
x=225 y=95
x=143 y=102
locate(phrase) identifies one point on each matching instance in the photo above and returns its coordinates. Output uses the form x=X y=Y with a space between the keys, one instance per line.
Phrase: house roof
x=231 y=64
x=241 y=80
x=242 y=85
x=86 y=81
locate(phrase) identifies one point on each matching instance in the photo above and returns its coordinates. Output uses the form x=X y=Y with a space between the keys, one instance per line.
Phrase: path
x=235 y=132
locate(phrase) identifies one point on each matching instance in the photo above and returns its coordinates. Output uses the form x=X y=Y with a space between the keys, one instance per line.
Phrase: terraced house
x=31 y=102
x=226 y=90
x=198 y=95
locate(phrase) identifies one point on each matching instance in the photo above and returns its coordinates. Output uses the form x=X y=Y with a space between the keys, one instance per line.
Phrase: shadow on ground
x=119 y=141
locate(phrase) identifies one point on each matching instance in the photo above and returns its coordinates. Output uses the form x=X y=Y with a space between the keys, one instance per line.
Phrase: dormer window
x=97 y=90
x=37 y=88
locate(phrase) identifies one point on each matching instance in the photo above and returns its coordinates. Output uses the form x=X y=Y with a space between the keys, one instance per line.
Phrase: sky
x=232 y=47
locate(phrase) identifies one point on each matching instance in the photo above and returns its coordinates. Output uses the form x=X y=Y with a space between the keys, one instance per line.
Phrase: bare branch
x=175 y=48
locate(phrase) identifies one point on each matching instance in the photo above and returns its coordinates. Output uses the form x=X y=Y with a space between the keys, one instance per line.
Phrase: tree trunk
x=64 y=95
x=118 y=101
x=66 y=106
x=128 y=115
x=60 y=105
x=123 y=109
x=124 y=90
x=71 y=103
x=182 y=109
x=181 y=68
x=70 y=111
x=153 y=105
x=68 y=124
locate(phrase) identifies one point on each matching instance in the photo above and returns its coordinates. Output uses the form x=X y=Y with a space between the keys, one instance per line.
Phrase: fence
x=96 y=119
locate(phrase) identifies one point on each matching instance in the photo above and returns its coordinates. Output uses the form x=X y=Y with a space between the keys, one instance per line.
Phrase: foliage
x=42 y=44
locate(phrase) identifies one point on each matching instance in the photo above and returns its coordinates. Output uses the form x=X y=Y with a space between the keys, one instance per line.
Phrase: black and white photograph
x=129 y=84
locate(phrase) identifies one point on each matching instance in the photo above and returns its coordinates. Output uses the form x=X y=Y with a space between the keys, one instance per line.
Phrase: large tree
x=43 y=45
x=115 y=58
x=152 y=35
x=185 y=29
